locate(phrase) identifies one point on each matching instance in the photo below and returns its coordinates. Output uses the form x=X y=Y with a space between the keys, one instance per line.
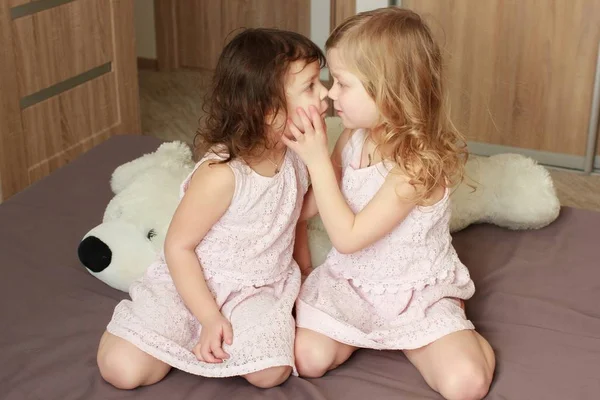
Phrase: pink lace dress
x=248 y=265
x=399 y=293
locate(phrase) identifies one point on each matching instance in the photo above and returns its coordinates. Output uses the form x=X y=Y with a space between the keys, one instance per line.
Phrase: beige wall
x=366 y=5
x=145 y=34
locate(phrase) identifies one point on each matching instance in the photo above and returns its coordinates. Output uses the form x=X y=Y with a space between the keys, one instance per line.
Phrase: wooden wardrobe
x=522 y=75
x=192 y=33
x=68 y=81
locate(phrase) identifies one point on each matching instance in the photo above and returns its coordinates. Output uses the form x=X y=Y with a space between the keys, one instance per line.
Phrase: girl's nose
x=323 y=93
x=332 y=93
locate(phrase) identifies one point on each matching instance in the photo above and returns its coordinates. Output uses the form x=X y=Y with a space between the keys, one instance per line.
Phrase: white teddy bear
x=136 y=220
x=512 y=191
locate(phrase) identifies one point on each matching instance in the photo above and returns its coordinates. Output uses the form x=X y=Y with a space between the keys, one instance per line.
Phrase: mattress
x=537 y=301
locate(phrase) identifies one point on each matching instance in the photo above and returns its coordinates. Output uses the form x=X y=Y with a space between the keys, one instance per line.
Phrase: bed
x=537 y=302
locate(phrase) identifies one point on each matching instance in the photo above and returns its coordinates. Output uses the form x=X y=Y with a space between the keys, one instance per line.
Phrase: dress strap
x=353 y=148
x=235 y=165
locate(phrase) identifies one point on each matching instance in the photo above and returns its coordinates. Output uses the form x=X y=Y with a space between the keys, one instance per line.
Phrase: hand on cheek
x=295 y=117
x=287 y=133
x=294 y=121
x=310 y=145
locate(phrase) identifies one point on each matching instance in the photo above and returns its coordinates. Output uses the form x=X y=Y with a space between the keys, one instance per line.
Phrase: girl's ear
x=273 y=117
x=276 y=120
x=276 y=126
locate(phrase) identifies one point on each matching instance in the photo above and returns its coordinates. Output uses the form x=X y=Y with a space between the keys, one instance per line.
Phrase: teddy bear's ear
x=168 y=155
x=174 y=155
x=124 y=174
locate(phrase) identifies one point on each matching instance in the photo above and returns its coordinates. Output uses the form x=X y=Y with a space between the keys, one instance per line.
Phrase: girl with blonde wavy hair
x=393 y=280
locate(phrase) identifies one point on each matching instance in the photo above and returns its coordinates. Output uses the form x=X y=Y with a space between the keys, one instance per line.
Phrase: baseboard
x=147 y=63
x=567 y=161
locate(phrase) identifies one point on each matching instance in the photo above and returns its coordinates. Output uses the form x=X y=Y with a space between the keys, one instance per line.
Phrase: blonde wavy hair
x=392 y=51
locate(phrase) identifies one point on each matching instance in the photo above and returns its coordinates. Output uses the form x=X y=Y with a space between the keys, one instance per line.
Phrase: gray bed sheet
x=537 y=302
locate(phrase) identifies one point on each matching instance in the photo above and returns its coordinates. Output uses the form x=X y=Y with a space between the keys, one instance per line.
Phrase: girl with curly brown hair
x=219 y=300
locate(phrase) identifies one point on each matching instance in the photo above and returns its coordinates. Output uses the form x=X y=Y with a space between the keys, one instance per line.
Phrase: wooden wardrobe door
x=520 y=73
x=292 y=15
x=340 y=11
x=13 y=167
x=203 y=26
x=199 y=31
x=68 y=81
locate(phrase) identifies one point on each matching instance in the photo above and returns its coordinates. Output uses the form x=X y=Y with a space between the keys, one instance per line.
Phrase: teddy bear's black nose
x=94 y=254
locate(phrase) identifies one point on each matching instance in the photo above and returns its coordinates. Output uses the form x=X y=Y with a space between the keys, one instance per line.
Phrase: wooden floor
x=171 y=103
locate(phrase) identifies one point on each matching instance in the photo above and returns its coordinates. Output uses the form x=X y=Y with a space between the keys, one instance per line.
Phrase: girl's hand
x=311 y=146
x=215 y=331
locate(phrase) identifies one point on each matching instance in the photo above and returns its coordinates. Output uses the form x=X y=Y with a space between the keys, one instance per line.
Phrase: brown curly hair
x=248 y=86
x=392 y=51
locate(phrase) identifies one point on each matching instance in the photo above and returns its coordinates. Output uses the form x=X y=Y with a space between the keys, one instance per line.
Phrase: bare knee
x=125 y=367
x=316 y=353
x=311 y=360
x=117 y=370
x=466 y=382
x=269 y=377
